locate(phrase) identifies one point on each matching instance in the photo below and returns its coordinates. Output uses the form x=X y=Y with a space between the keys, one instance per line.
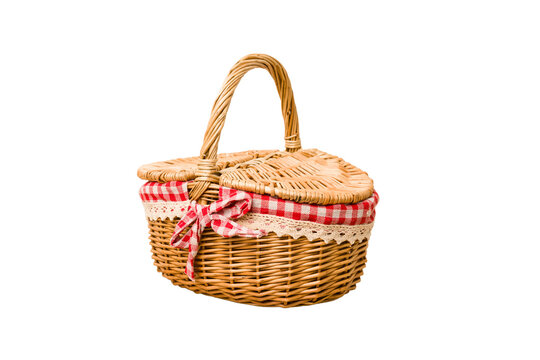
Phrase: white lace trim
x=271 y=223
x=311 y=230
x=165 y=209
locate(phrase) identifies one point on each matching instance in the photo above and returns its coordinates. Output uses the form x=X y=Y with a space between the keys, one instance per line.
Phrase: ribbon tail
x=228 y=228
x=247 y=232
x=187 y=220
x=183 y=241
x=190 y=241
x=190 y=263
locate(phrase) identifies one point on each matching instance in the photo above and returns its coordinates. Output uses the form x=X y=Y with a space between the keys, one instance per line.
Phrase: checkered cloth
x=218 y=215
x=339 y=214
x=171 y=191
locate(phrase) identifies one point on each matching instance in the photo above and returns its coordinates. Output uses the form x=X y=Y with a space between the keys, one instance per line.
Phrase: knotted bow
x=218 y=214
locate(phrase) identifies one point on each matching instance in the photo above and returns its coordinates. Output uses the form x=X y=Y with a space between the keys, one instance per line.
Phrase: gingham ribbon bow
x=218 y=214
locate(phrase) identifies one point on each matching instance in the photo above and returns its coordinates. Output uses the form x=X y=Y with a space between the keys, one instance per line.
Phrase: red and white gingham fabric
x=218 y=215
x=339 y=214
x=171 y=191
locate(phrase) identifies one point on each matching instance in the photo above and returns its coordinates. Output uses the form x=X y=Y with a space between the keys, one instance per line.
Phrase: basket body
x=268 y=271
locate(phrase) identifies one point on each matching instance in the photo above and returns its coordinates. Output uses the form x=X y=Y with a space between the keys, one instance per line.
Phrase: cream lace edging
x=311 y=230
x=271 y=223
x=165 y=209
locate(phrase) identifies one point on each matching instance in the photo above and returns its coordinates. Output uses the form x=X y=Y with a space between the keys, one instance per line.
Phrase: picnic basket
x=268 y=228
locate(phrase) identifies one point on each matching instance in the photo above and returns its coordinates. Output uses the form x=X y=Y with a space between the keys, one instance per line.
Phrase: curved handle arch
x=207 y=170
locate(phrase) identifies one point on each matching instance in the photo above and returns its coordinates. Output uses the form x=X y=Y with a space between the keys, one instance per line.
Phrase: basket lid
x=305 y=176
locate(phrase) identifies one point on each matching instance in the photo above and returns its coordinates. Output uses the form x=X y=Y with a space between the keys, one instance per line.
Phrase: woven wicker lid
x=305 y=176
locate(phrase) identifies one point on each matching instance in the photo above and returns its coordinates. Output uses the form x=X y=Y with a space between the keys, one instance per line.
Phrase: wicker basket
x=313 y=258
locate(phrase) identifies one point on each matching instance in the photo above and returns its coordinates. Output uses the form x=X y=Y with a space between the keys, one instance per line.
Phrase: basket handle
x=207 y=172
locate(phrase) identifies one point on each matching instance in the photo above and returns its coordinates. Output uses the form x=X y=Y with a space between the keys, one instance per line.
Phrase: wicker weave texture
x=185 y=169
x=270 y=271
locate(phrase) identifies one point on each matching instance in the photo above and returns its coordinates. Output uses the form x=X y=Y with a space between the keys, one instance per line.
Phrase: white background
x=437 y=100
